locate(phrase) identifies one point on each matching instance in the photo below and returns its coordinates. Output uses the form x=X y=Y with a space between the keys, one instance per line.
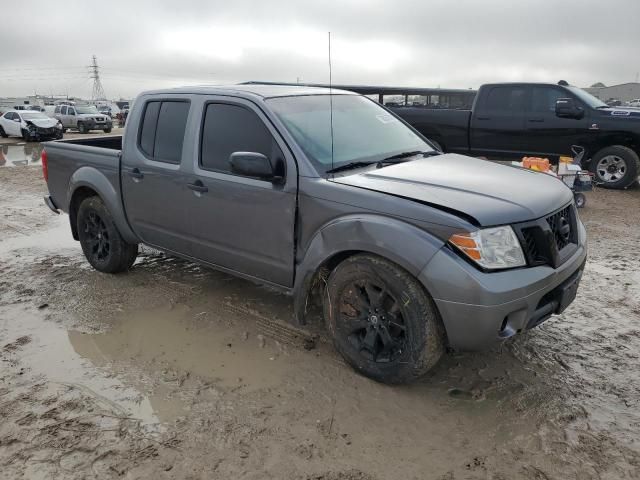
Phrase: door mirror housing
x=253 y=164
x=568 y=108
x=17 y=119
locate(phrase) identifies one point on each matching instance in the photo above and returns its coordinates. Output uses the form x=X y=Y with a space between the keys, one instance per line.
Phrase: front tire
x=82 y=128
x=3 y=134
x=107 y=130
x=615 y=167
x=101 y=242
x=382 y=321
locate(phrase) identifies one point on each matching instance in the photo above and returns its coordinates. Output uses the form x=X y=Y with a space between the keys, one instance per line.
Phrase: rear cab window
x=162 y=130
x=506 y=99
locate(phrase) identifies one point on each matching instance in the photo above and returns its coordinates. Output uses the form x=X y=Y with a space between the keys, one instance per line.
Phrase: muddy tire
x=3 y=134
x=615 y=167
x=100 y=239
x=381 y=320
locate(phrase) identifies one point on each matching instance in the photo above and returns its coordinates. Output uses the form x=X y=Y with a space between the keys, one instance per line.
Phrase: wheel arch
x=404 y=244
x=87 y=182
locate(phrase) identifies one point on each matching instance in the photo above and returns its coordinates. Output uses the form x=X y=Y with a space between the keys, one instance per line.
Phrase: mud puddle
x=143 y=365
x=20 y=154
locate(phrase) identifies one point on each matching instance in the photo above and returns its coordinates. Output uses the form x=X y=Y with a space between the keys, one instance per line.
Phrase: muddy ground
x=179 y=372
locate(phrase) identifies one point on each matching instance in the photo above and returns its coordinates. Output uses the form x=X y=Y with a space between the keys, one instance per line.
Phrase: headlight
x=58 y=125
x=491 y=248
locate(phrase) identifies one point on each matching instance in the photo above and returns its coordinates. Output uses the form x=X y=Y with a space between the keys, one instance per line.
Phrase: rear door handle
x=483 y=118
x=198 y=186
x=136 y=174
x=537 y=120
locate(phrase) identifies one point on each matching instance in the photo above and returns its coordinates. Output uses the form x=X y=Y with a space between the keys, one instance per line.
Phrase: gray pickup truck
x=333 y=199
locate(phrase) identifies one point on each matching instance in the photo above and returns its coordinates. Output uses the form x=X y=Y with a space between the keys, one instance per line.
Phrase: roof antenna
x=330 y=102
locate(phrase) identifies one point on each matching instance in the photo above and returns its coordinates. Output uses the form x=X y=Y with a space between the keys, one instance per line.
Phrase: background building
x=625 y=92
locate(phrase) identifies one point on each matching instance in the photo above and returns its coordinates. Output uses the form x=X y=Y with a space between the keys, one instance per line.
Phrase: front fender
x=398 y=241
x=97 y=181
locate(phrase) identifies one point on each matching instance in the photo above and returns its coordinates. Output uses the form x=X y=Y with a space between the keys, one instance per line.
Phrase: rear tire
x=382 y=321
x=615 y=167
x=101 y=242
x=3 y=134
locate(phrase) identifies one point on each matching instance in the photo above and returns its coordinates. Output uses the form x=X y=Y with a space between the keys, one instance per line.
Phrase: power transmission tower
x=94 y=73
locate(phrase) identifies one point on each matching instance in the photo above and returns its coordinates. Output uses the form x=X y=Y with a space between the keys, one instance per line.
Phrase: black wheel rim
x=371 y=320
x=97 y=237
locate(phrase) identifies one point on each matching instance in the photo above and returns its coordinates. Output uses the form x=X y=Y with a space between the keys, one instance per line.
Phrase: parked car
x=328 y=197
x=105 y=110
x=83 y=118
x=635 y=103
x=30 y=125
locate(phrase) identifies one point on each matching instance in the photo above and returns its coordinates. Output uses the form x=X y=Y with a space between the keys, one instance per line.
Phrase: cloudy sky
x=143 y=44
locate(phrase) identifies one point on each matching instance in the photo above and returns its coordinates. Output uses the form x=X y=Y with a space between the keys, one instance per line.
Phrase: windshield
x=34 y=116
x=587 y=98
x=362 y=130
x=86 y=109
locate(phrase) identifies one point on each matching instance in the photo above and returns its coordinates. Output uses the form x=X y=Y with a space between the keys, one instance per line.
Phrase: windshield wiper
x=400 y=157
x=349 y=166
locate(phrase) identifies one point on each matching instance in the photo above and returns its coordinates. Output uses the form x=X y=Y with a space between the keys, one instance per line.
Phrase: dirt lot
x=175 y=371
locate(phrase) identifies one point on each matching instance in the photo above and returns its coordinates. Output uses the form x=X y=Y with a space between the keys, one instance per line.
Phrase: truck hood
x=490 y=193
x=621 y=112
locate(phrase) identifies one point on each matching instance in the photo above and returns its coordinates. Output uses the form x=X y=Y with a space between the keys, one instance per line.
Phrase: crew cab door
x=497 y=121
x=241 y=223
x=152 y=177
x=547 y=134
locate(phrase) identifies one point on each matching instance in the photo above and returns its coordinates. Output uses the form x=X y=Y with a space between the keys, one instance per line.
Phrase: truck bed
x=70 y=161
x=448 y=127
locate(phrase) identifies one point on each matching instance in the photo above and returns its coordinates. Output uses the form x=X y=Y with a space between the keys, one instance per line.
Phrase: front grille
x=561 y=225
x=550 y=240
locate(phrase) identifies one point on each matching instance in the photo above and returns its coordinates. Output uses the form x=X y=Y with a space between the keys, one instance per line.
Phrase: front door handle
x=198 y=186
x=136 y=174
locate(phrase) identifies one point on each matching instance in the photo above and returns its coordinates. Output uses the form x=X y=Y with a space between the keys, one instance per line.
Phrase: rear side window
x=505 y=99
x=56 y=110
x=162 y=130
x=64 y=110
x=231 y=128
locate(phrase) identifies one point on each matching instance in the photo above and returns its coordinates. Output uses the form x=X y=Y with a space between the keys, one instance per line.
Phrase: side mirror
x=17 y=119
x=568 y=108
x=252 y=164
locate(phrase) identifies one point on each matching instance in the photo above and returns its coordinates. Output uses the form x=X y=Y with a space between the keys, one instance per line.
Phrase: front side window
x=233 y=128
x=162 y=130
x=362 y=130
x=506 y=99
x=543 y=99
x=71 y=111
x=64 y=110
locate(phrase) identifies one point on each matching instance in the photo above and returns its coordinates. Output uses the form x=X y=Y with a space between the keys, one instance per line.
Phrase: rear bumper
x=480 y=308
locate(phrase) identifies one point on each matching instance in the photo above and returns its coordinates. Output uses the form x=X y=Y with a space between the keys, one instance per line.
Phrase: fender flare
x=400 y=242
x=97 y=181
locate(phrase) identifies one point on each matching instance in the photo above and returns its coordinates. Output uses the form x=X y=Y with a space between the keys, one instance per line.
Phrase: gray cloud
x=151 y=44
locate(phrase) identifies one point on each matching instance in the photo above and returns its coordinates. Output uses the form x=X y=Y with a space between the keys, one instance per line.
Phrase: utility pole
x=94 y=73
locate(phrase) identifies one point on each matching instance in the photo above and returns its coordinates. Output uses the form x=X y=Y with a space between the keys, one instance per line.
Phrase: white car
x=30 y=125
x=635 y=103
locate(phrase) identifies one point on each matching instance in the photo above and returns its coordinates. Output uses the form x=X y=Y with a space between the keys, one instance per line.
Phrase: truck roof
x=264 y=91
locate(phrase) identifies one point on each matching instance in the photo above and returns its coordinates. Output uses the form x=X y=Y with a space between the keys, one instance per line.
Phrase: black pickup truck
x=517 y=119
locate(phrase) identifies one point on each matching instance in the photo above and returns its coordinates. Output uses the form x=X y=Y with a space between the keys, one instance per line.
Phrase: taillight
x=45 y=167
